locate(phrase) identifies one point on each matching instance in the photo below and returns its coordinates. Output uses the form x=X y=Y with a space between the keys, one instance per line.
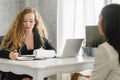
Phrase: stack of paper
x=44 y=53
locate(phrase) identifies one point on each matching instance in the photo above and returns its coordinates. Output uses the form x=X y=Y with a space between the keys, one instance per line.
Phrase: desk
x=43 y=68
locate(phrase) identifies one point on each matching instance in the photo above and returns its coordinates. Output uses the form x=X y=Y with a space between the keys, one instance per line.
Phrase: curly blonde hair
x=15 y=38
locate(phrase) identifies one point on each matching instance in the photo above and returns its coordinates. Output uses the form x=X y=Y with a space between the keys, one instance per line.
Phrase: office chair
x=1 y=37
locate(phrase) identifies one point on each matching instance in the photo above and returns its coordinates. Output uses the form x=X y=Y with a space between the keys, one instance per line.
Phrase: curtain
x=73 y=16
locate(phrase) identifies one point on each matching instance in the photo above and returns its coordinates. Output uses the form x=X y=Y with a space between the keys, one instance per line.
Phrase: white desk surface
x=43 y=68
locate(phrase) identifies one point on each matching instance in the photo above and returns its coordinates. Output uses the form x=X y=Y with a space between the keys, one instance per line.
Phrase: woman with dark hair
x=107 y=60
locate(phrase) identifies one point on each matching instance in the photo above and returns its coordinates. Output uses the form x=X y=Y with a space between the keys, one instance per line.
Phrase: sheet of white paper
x=25 y=58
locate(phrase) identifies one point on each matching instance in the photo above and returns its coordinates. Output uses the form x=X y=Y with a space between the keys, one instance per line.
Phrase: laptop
x=71 y=48
x=92 y=33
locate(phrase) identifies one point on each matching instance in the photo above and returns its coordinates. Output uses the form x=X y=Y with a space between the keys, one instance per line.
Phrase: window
x=72 y=17
x=115 y=1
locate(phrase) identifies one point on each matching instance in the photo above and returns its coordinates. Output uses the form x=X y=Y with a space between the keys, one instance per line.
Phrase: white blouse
x=106 y=65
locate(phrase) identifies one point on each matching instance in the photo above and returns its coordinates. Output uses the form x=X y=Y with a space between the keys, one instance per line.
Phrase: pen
x=19 y=52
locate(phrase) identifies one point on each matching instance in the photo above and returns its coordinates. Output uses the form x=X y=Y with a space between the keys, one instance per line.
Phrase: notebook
x=70 y=49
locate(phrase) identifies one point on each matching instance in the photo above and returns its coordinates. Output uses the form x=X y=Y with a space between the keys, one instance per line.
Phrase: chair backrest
x=1 y=38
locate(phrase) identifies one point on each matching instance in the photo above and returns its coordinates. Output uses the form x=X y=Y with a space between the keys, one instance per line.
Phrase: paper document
x=25 y=58
x=38 y=54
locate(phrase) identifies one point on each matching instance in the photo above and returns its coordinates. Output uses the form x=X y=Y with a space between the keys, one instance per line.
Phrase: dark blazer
x=37 y=45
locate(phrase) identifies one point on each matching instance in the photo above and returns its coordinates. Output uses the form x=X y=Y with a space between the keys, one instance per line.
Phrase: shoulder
x=107 y=53
x=106 y=47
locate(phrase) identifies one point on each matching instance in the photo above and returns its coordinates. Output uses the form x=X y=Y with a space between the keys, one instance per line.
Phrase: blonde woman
x=26 y=33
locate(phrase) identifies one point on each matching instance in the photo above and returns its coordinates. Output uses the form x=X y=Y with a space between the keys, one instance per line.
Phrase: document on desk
x=38 y=54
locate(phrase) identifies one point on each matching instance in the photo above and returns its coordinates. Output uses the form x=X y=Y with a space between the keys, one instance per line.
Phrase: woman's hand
x=13 y=55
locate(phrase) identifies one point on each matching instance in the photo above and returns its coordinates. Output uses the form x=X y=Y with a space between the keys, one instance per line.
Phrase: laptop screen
x=92 y=34
x=71 y=47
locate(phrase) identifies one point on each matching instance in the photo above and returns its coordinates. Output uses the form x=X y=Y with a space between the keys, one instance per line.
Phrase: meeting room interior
x=68 y=23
